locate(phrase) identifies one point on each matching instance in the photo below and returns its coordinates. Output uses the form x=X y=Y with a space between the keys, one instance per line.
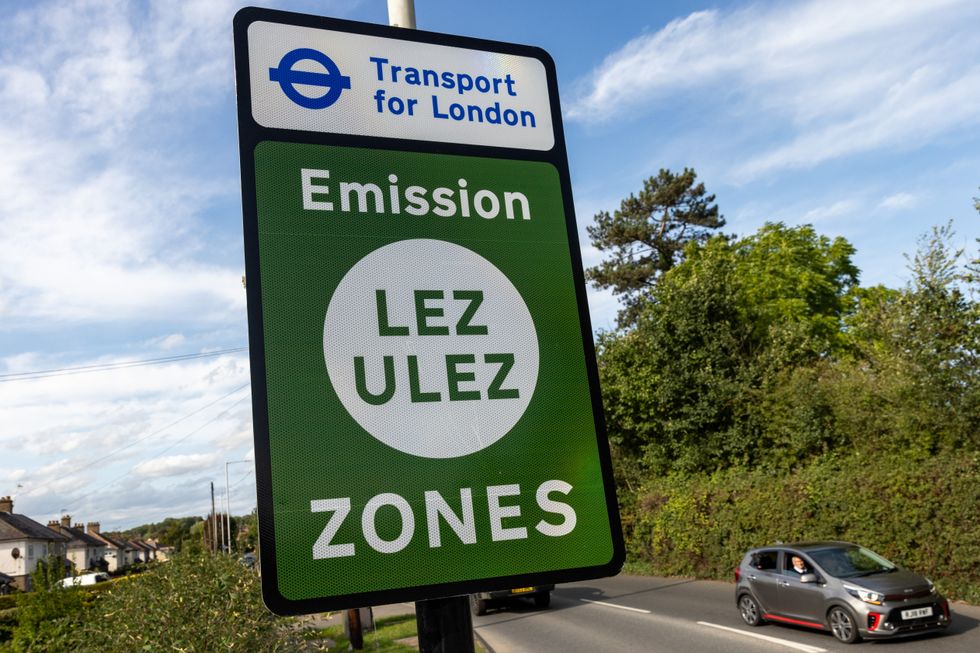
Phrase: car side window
x=794 y=564
x=765 y=560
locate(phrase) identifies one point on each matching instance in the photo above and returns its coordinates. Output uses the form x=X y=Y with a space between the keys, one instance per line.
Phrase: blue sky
x=120 y=212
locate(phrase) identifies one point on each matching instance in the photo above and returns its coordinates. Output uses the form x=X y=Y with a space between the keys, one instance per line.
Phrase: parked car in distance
x=844 y=588
x=540 y=594
x=84 y=579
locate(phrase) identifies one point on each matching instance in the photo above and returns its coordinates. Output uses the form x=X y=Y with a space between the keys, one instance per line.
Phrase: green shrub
x=8 y=621
x=193 y=603
x=48 y=617
x=920 y=513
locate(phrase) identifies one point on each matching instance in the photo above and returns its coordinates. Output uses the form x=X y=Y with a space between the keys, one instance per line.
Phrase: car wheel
x=478 y=606
x=842 y=625
x=749 y=609
x=542 y=601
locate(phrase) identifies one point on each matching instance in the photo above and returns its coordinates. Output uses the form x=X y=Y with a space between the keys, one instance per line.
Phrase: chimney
x=6 y=504
x=55 y=525
x=66 y=521
x=92 y=527
x=79 y=527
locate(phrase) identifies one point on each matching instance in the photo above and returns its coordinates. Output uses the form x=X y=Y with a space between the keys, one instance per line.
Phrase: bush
x=920 y=513
x=49 y=616
x=8 y=621
x=193 y=603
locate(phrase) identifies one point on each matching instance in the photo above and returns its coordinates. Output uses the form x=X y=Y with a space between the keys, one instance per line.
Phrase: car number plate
x=522 y=590
x=917 y=613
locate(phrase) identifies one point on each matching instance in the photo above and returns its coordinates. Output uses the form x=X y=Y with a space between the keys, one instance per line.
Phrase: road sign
x=426 y=407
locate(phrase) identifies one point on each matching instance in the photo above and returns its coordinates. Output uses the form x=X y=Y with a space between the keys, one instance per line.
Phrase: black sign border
x=250 y=134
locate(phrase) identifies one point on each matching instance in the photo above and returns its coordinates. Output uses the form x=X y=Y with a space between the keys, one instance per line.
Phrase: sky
x=121 y=247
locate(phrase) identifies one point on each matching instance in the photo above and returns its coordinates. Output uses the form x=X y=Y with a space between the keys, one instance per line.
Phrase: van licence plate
x=917 y=613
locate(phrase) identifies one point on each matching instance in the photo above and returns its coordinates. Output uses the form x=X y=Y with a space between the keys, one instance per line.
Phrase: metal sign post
x=425 y=399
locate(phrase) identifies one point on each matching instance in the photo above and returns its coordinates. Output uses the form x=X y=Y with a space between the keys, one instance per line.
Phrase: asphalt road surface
x=665 y=615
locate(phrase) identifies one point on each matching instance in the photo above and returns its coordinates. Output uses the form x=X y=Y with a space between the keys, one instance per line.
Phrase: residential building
x=83 y=551
x=115 y=550
x=23 y=543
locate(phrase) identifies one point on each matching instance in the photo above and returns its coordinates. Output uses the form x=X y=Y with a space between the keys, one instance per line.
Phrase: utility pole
x=226 y=525
x=443 y=624
x=214 y=516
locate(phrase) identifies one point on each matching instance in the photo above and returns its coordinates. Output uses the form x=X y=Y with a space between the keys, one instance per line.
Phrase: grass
x=383 y=639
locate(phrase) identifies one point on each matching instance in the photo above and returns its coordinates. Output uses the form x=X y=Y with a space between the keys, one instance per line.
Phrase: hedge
x=920 y=513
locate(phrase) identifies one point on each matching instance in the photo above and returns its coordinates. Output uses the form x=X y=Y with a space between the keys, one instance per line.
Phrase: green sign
x=427 y=418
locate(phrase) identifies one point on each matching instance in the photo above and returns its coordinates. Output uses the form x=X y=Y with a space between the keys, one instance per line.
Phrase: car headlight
x=868 y=596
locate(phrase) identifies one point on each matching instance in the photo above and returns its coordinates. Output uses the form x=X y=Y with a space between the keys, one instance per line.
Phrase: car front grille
x=918 y=594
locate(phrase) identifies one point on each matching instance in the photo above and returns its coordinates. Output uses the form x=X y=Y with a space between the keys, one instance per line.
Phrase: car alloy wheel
x=842 y=625
x=749 y=610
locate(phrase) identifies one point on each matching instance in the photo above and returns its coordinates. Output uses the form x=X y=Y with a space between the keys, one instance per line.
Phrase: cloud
x=830 y=212
x=177 y=465
x=899 y=201
x=818 y=80
x=101 y=214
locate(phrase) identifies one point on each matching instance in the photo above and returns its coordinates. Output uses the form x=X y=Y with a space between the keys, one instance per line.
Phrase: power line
x=133 y=443
x=75 y=503
x=244 y=476
x=103 y=367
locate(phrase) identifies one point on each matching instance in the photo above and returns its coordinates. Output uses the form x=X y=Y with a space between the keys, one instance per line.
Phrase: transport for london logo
x=332 y=81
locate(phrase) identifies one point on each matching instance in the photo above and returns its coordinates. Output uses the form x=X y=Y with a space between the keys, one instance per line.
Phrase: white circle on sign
x=430 y=348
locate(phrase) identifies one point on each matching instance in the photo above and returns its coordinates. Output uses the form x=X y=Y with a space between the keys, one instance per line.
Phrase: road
x=664 y=615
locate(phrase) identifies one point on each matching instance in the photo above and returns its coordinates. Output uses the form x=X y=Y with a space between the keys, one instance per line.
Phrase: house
x=143 y=551
x=151 y=549
x=115 y=550
x=23 y=543
x=129 y=552
x=83 y=551
x=160 y=553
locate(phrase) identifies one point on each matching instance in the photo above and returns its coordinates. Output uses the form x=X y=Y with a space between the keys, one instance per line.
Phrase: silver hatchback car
x=836 y=586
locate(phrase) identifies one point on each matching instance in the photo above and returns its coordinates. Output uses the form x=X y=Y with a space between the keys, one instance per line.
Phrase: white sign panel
x=343 y=83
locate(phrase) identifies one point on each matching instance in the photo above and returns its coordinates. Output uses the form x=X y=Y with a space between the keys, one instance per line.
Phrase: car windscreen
x=851 y=561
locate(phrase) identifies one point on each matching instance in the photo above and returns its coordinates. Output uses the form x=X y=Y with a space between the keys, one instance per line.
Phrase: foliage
x=917 y=511
x=8 y=622
x=48 y=616
x=172 y=531
x=762 y=395
x=192 y=603
x=692 y=386
x=647 y=235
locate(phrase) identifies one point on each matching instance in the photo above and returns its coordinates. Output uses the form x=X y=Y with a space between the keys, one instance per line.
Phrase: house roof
x=80 y=538
x=19 y=527
x=110 y=541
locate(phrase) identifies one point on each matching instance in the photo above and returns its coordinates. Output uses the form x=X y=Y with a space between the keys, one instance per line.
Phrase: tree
x=690 y=387
x=919 y=348
x=646 y=237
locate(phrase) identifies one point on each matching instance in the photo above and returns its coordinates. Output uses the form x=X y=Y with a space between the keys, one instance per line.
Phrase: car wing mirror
x=808 y=578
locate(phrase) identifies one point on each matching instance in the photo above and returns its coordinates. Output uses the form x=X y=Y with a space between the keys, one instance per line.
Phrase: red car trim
x=874 y=620
x=798 y=622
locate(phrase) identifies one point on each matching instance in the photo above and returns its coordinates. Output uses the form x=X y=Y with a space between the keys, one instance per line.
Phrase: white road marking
x=774 y=640
x=613 y=605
